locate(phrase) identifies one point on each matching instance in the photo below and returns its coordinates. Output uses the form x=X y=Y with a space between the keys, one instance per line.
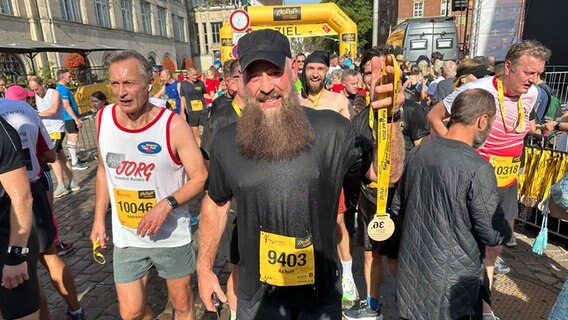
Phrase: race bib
x=286 y=261
x=506 y=169
x=196 y=105
x=55 y=136
x=132 y=205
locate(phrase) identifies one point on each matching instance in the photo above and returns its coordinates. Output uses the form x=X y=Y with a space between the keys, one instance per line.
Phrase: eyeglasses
x=301 y=61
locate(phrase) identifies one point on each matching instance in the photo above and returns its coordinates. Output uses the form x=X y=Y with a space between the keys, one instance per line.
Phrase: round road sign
x=234 y=52
x=239 y=20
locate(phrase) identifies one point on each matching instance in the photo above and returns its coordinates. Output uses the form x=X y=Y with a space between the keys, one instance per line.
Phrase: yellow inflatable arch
x=307 y=20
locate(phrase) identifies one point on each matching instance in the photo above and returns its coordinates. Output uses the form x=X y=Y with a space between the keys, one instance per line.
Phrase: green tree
x=361 y=12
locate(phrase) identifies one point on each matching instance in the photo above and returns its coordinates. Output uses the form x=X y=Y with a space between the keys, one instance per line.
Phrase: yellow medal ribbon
x=382 y=227
x=97 y=254
x=520 y=122
x=236 y=108
x=316 y=100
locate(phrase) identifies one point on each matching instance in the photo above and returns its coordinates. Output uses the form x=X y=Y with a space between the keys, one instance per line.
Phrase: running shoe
x=512 y=242
x=362 y=312
x=60 y=191
x=79 y=316
x=79 y=166
x=63 y=248
x=349 y=289
x=500 y=267
x=489 y=316
x=73 y=186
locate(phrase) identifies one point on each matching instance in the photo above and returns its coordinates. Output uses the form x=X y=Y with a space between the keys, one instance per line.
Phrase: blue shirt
x=66 y=94
x=173 y=96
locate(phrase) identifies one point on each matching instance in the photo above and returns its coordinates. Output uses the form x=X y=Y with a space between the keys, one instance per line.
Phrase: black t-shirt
x=414 y=124
x=296 y=197
x=11 y=158
x=192 y=91
x=222 y=117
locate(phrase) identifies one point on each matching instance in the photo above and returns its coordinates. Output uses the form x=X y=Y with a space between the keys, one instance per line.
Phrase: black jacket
x=448 y=206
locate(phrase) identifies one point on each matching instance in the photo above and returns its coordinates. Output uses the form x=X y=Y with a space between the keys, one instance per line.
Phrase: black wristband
x=394 y=117
x=13 y=259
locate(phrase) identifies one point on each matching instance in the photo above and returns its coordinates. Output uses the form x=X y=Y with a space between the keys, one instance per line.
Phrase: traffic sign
x=239 y=20
x=234 y=52
x=237 y=36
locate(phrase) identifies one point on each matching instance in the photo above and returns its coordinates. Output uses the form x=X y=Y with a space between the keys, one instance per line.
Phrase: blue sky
x=287 y=2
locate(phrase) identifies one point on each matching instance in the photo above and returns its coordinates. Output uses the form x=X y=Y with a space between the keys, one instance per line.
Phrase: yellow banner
x=303 y=30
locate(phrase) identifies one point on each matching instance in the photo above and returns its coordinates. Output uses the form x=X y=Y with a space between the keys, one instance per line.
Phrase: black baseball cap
x=267 y=45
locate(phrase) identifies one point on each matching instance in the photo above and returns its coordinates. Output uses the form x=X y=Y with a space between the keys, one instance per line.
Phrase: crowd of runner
x=288 y=150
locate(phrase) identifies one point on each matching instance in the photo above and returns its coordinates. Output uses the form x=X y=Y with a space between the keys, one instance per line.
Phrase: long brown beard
x=274 y=134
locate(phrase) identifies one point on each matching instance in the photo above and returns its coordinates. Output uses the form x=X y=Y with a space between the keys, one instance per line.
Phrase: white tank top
x=54 y=123
x=34 y=136
x=141 y=171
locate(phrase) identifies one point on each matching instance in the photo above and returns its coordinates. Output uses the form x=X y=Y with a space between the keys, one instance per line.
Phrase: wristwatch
x=557 y=126
x=18 y=250
x=172 y=202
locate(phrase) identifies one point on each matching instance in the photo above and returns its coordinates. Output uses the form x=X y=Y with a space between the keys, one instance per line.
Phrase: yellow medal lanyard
x=383 y=139
x=520 y=122
x=316 y=100
x=236 y=108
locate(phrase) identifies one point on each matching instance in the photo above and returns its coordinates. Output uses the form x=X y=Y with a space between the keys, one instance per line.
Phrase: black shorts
x=71 y=127
x=58 y=142
x=42 y=217
x=234 y=256
x=509 y=202
x=24 y=299
x=197 y=118
x=365 y=214
x=45 y=178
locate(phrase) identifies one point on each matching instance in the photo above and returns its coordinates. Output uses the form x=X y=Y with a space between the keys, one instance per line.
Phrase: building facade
x=158 y=29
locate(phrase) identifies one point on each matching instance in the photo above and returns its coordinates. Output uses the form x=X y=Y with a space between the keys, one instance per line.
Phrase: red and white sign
x=239 y=20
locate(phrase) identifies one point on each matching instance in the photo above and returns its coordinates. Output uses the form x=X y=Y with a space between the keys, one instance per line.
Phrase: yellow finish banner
x=301 y=30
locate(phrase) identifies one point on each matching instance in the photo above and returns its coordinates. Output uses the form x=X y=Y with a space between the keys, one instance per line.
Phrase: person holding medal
x=515 y=98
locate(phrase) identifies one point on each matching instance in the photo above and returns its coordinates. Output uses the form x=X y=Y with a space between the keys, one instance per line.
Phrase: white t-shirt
x=54 y=123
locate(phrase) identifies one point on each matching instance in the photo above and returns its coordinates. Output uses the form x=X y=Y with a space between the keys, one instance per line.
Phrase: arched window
x=10 y=64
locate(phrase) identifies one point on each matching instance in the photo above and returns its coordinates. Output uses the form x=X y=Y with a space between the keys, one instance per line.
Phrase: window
x=445 y=7
x=215 y=27
x=70 y=10
x=418 y=9
x=102 y=13
x=145 y=15
x=5 y=7
x=126 y=9
x=175 y=23
x=206 y=38
x=162 y=22
x=181 y=28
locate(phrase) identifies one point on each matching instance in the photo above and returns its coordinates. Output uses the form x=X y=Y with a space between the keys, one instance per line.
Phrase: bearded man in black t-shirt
x=284 y=164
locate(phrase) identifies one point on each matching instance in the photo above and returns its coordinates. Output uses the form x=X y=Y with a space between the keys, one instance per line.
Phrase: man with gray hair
x=146 y=155
x=445 y=87
x=460 y=220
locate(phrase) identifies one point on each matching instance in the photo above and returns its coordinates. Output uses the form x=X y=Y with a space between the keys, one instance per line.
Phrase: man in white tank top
x=146 y=154
x=50 y=110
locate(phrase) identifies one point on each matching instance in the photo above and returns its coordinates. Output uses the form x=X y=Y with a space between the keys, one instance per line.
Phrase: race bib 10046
x=132 y=205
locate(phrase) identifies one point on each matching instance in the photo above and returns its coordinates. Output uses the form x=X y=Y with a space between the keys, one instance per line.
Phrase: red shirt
x=211 y=85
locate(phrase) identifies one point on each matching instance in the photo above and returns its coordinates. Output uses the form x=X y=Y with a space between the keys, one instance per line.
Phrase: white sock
x=72 y=147
x=346 y=265
x=233 y=315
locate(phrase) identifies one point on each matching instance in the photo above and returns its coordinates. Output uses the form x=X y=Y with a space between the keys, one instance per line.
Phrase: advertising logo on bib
x=149 y=147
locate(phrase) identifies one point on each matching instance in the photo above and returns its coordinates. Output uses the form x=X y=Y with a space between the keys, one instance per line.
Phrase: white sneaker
x=60 y=191
x=73 y=186
x=349 y=289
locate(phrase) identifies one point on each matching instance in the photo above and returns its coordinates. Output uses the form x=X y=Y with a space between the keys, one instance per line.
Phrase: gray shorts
x=131 y=263
x=509 y=202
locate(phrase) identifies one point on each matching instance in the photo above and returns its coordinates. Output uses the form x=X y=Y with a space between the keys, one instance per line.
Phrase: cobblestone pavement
x=533 y=279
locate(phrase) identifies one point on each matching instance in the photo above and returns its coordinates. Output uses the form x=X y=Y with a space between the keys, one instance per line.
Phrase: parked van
x=422 y=36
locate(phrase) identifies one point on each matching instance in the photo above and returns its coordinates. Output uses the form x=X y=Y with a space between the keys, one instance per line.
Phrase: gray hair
x=145 y=66
x=470 y=105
